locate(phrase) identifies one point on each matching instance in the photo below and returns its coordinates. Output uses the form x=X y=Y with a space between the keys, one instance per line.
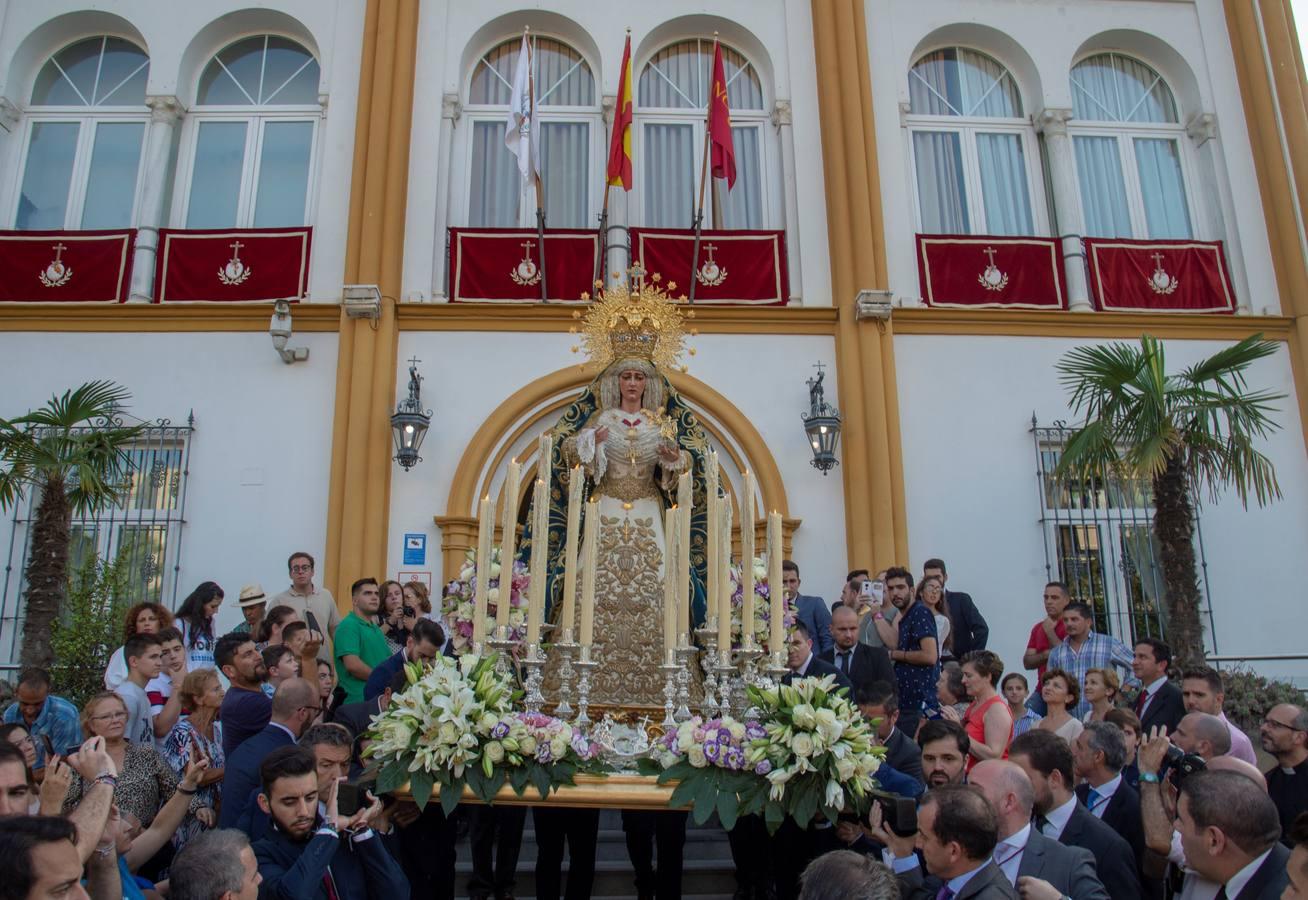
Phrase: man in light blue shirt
x=44 y=715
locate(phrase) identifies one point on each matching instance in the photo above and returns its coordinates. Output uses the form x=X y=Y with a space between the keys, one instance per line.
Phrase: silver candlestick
x=669 y=670
x=586 y=664
x=566 y=647
x=535 y=665
x=708 y=636
x=503 y=645
x=685 y=658
x=772 y=669
x=745 y=658
x=726 y=674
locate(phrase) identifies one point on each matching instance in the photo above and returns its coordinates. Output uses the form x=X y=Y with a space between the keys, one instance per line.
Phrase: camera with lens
x=899 y=813
x=409 y=612
x=1178 y=765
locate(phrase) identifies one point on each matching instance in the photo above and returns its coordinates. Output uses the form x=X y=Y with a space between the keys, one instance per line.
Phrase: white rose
x=696 y=757
x=527 y=745
x=803 y=716
x=447 y=733
x=398 y=733
x=737 y=731
x=488 y=721
x=845 y=768
x=492 y=594
x=467 y=573
x=516 y=617
x=802 y=744
x=494 y=751
x=558 y=747
x=494 y=573
x=685 y=734
x=760 y=571
x=667 y=759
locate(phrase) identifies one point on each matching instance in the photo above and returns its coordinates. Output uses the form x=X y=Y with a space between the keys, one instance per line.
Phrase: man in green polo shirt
x=360 y=644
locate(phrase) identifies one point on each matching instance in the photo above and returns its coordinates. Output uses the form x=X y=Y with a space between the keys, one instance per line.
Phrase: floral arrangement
x=762 y=607
x=458 y=605
x=810 y=752
x=454 y=726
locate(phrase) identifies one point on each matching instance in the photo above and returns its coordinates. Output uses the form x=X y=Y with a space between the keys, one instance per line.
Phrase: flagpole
x=703 y=179
x=540 y=188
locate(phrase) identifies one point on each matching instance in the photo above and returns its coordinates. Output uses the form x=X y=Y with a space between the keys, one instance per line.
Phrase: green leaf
x=706 y=794
x=392 y=776
x=678 y=771
x=451 y=795
x=728 y=807
x=805 y=804
x=540 y=779
x=683 y=794
x=518 y=779
x=420 y=786
x=773 y=815
x=648 y=767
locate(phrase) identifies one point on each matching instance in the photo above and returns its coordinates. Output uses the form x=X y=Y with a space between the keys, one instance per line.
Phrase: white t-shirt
x=140 y=724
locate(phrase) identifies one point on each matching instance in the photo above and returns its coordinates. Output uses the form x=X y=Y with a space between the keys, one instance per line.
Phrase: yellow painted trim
x=486 y=451
x=876 y=523
x=555 y=317
x=152 y=317
x=1039 y=323
x=1272 y=82
x=358 y=503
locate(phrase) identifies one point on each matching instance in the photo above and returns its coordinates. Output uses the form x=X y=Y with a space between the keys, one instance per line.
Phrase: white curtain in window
x=43 y=202
x=1103 y=192
x=496 y=184
x=1167 y=214
x=669 y=174
x=111 y=187
x=565 y=173
x=1004 y=191
x=941 y=192
x=742 y=206
x=1113 y=88
x=959 y=82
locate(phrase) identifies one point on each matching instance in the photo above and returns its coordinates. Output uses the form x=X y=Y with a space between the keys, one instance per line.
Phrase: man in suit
x=319 y=854
x=859 y=662
x=1047 y=761
x=423 y=645
x=1230 y=832
x=1160 y=702
x=812 y=611
x=956 y=836
x=969 y=627
x=803 y=664
x=1098 y=754
x=1296 y=867
x=879 y=702
x=1023 y=853
x=294 y=707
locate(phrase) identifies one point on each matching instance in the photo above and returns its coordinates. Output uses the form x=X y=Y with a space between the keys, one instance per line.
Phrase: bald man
x=1202 y=734
x=861 y=664
x=1032 y=862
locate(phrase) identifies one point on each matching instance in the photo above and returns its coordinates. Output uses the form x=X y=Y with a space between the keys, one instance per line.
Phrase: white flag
x=521 y=135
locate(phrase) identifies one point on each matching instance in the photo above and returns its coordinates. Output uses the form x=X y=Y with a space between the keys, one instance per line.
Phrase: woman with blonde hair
x=198 y=734
x=1101 y=690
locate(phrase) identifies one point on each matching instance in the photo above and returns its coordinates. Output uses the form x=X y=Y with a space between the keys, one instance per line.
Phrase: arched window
x=251 y=137
x=974 y=154
x=1129 y=155
x=86 y=125
x=672 y=108
x=568 y=105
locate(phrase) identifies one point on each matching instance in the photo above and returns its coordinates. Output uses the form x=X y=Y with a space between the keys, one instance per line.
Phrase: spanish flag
x=619 y=171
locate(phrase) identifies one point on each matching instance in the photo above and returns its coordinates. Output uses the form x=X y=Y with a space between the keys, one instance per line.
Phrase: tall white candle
x=590 y=557
x=776 y=596
x=576 y=485
x=747 y=560
x=723 y=598
x=509 y=524
x=540 y=539
x=485 y=538
x=685 y=503
x=671 y=555
x=711 y=506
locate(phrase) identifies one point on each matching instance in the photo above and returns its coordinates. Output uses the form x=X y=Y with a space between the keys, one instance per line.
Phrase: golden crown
x=635 y=318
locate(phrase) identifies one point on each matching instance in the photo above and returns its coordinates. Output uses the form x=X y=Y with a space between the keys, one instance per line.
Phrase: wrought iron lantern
x=822 y=425
x=409 y=424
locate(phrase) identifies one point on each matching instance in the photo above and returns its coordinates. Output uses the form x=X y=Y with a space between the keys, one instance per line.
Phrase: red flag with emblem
x=722 y=153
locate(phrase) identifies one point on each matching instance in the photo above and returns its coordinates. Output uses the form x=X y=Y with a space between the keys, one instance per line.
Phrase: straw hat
x=251 y=595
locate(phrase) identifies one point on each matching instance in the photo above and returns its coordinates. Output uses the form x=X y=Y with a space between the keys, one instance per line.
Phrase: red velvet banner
x=248 y=265
x=979 y=271
x=66 y=266
x=1177 y=276
x=495 y=265
x=737 y=267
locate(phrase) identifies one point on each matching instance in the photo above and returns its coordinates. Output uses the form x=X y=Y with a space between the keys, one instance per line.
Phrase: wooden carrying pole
x=703 y=180
x=540 y=188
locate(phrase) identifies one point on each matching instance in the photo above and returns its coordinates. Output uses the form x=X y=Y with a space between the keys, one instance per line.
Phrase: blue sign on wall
x=415 y=549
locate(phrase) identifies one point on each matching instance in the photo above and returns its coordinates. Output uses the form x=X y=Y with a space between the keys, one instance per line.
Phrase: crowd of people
x=225 y=765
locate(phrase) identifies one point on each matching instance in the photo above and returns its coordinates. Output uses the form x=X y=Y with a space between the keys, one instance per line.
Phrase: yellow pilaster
x=876 y=524
x=359 y=492
x=1270 y=71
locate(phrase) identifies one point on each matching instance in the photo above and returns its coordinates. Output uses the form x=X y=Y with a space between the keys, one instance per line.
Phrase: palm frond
x=1230 y=363
x=1095 y=376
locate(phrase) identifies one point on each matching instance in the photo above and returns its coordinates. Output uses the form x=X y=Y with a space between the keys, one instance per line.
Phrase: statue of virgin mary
x=632 y=436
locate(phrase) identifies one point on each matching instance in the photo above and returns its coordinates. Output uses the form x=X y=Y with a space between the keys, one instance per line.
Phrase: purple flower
x=712 y=751
x=735 y=758
x=763 y=767
x=500 y=730
x=754 y=731
x=724 y=736
x=543 y=752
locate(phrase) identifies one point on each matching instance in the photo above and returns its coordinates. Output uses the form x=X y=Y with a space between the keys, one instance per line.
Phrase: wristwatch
x=1149 y=778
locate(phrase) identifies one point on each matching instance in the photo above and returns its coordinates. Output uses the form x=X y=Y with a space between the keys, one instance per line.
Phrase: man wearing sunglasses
x=1284 y=734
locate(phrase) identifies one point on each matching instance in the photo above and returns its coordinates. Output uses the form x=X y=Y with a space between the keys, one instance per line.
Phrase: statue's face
x=631 y=383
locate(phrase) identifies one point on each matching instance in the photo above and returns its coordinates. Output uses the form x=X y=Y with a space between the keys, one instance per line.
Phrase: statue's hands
x=669 y=454
x=601 y=434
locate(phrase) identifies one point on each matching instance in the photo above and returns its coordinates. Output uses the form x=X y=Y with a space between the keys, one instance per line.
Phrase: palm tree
x=1185 y=432
x=73 y=452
